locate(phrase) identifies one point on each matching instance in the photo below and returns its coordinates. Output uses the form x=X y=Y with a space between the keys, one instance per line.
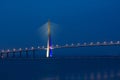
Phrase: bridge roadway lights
x=12 y=53
x=7 y=54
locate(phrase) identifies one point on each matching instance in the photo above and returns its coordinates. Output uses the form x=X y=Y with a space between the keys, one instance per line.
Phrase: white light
x=14 y=49
x=111 y=42
x=43 y=46
x=26 y=48
x=56 y=45
x=51 y=47
x=20 y=49
x=85 y=43
x=118 y=42
x=32 y=48
x=98 y=42
x=38 y=47
x=78 y=44
x=72 y=44
x=91 y=43
x=3 y=51
x=47 y=53
x=8 y=50
x=104 y=42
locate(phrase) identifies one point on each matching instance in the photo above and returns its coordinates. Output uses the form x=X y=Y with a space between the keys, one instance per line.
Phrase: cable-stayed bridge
x=50 y=47
x=19 y=52
x=32 y=53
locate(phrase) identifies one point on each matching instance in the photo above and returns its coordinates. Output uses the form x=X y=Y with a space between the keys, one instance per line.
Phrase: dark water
x=61 y=68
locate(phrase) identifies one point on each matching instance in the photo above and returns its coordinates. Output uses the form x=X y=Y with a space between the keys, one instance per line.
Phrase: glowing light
x=72 y=44
x=8 y=50
x=14 y=49
x=111 y=42
x=3 y=51
x=43 y=30
x=43 y=47
x=26 y=48
x=98 y=43
x=118 y=42
x=91 y=43
x=105 y=42
x=66 y=45
x=78 y=44
x=38 y=47
x=57 y=46
x=49 y=42
x=47 y=54
x=32 y=48
x=51 y=47
x=85 y=44
x=20 y=49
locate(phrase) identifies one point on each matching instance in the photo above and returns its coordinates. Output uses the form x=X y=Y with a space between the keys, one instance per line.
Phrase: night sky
x=78 y=20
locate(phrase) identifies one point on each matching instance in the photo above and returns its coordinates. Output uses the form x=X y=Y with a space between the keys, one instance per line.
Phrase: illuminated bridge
x=20 y=52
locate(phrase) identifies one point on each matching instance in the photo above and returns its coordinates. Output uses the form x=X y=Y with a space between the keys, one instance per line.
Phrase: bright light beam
x=49 y=43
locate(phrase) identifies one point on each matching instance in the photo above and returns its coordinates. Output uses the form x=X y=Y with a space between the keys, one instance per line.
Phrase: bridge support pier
x=1 y=55
x=33 y=53
x=27 y=54
x=13 y=55
x=20 y=54
x=7 y=54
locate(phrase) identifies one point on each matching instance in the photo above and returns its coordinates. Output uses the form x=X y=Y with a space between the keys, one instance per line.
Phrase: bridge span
x=7 y=53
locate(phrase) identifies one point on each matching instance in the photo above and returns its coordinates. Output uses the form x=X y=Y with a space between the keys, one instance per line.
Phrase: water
x=65 y=68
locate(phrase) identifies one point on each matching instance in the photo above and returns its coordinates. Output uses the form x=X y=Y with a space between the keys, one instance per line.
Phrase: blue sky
x=78 y=20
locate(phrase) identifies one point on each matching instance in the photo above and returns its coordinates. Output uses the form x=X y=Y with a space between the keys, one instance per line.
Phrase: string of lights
x=33 y=49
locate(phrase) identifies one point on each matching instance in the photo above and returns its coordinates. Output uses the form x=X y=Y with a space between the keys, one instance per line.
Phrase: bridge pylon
x=49 y=42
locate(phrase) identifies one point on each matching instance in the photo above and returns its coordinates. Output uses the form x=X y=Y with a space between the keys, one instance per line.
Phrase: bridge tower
x=49 y=42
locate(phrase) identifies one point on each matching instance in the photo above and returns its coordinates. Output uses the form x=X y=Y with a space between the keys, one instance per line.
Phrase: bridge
x=31 y=53
x=50 y=47
x=13 y=52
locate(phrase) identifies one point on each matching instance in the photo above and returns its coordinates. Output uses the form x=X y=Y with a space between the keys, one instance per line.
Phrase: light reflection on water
x=82 y=68
x=92 y=76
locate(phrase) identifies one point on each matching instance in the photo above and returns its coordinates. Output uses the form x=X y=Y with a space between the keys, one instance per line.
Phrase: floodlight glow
x=49 y=42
